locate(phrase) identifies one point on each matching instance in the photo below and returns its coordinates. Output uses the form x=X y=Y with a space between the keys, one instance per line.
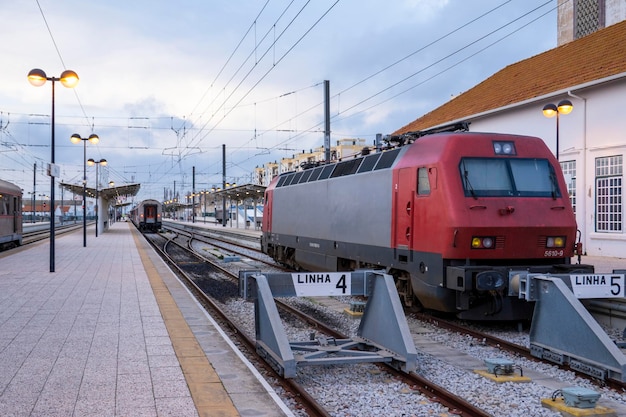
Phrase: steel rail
x=312 y=407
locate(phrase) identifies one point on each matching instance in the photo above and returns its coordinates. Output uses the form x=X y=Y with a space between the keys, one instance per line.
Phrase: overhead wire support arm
x=410 y=137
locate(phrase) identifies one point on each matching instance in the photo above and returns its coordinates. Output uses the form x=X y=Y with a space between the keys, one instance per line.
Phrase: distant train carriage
x=147 y=216
x=10 y=215
x=449 y=215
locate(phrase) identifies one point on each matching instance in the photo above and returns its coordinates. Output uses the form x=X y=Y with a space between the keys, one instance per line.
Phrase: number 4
x=341 y=284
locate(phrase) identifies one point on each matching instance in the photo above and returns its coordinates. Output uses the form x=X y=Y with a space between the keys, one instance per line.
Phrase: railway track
x=229 y=243
x=507 y=346
x=503 y=344
x=434 y=392
x=187 y=263
x=478 y=337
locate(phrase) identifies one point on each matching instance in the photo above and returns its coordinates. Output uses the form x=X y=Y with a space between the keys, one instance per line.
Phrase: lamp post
x=204 y=193
x=92 y=162
x=550 y=110
x=34 y=188
x=75 y=139
x=114 y=218
x=69 y=79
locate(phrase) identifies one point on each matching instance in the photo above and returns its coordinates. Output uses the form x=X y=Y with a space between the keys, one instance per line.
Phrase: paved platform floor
x=96 y=338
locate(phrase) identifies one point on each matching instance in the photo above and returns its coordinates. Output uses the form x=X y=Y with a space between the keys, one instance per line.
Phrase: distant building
x=41 y=211
x=346 y=148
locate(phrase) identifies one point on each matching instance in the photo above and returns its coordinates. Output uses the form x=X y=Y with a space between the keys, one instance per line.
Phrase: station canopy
x=119 y=194
x=241 y=192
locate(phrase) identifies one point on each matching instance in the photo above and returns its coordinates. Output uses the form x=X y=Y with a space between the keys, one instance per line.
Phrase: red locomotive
x=449 y=215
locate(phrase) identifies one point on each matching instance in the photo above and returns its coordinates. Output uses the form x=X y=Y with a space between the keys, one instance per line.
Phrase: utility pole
x=224 y=185
x=193 y=194
x=62 y=205
x=34 y=188
x=327 y=121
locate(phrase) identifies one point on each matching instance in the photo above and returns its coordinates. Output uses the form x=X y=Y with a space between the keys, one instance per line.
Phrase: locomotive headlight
x=489 y=280
x=555 y=242
x=483 y=242
x=504 y=148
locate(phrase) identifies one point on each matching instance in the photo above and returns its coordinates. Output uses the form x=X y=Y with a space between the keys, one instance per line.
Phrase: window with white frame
x=569 y=172
x=609 y=208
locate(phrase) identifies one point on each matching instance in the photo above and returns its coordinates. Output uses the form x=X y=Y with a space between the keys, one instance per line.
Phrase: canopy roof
x=109 y=193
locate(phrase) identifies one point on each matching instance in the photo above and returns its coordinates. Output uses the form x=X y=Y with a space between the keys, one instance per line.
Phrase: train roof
x=149 y=201
x=386 y=158
x=8 y=187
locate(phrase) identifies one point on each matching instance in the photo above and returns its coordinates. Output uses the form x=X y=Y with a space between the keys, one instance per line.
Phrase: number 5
x=616 y=288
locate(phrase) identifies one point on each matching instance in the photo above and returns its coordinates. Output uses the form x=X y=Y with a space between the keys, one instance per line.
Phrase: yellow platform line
x=207 y=391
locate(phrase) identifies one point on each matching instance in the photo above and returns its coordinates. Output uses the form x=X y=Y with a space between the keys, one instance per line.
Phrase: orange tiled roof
x=596 y=56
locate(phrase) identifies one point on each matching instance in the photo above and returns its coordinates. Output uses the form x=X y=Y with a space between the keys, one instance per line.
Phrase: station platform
x=112 y=332
x=211 y=224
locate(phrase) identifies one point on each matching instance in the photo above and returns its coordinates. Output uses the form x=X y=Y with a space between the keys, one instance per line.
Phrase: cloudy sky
x=165 y=84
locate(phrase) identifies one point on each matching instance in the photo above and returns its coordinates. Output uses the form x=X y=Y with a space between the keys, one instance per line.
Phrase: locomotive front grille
x=541 y=243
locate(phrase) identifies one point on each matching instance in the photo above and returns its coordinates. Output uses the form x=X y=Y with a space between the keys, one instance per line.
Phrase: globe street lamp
x=550 y=110
x=69 y=79
x=75 y=139
x=91 y=163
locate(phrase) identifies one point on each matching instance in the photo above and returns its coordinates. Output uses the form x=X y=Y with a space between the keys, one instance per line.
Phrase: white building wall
x=595 y=128
x=615 y=11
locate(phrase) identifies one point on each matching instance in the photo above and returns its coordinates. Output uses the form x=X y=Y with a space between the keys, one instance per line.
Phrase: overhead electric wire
x=273 y=44
x=447 y=68
x=393 y=64
x=60 y=57
x=202 y=132
x=278 y=61
x=252 y=52
x=191 y=143
x=466 y=46
x=229 y=58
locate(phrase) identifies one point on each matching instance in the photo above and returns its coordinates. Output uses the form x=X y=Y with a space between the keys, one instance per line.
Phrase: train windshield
x=499 y=177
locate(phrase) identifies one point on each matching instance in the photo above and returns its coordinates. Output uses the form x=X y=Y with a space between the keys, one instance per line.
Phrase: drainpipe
x=583 y=230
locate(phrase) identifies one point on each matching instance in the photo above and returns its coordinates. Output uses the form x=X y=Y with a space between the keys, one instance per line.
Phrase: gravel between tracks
x=363 y=390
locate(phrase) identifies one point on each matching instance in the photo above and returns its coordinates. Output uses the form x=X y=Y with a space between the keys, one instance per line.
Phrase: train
x=449 y=214
x=147 y=215
x=10 y=215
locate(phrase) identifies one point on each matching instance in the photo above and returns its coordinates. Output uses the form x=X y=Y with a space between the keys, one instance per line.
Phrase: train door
x=15 y=209
x=150 y=214
x=266 y=220
x=404 y=192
